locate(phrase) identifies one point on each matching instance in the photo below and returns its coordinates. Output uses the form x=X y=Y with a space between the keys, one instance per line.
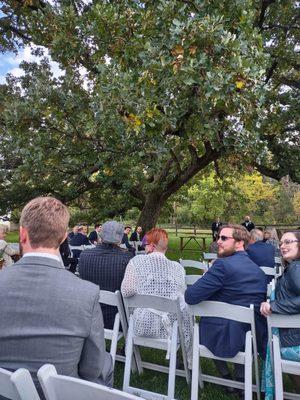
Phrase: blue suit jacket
x=262 y=254
x=234 y=280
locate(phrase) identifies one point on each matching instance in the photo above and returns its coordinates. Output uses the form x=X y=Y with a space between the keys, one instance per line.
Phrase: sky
x=10 y=63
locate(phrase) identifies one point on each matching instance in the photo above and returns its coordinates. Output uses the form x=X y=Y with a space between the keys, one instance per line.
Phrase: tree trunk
x=150 y=212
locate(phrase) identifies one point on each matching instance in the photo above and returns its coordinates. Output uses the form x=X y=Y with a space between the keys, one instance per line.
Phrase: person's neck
x=54 y=252
x=159 y=251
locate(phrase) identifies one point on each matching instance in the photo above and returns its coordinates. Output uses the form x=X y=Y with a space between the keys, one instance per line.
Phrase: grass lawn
x=156 y=381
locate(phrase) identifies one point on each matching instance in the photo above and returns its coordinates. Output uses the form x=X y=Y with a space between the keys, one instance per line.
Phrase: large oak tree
x=152 y=92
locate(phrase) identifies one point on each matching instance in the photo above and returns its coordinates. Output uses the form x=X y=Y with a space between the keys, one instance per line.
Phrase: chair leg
x=248 y=367
x=172 y=364
x=277 y=368
x=196 y=377
x=128 y=359
x=114 y=339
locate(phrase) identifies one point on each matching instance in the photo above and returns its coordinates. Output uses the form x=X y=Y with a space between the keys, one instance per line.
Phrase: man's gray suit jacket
x=48 y=315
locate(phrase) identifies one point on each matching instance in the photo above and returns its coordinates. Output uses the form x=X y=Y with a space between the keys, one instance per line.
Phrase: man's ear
x=23 y=234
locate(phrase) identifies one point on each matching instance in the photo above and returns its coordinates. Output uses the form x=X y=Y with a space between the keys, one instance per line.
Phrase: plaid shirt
x=105 y=266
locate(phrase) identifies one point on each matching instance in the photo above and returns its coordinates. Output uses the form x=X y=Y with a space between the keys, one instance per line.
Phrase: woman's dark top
x=287 y=294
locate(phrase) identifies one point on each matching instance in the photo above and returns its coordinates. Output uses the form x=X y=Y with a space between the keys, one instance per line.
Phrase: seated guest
x=235 y=279
x=287 y=301
x=105 y=265
x=72 y=233
x=154 y=274
x=47 y=314
x=136 y=236
x=271 y=237
x=125 y=240
x=261 y=253
x=79 y=239
x=6 y=251
x=94 y=236
x=66 y=257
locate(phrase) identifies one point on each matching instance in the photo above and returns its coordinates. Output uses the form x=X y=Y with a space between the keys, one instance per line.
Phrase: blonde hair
x=273 y=233
x=46 y=220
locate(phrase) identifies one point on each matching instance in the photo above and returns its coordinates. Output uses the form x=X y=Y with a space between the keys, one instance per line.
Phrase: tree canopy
x=151 y=93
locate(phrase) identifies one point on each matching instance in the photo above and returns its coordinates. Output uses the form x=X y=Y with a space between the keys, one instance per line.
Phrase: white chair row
x=19 y=385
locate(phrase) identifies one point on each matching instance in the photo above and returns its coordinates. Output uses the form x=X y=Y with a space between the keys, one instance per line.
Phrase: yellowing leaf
x=177 y=50
x=239 y=84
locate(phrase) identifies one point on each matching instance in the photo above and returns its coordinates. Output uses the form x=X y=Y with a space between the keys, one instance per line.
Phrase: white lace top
x=154 y=274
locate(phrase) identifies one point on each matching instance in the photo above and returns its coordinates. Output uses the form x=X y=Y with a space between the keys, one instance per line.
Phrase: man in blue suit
x=261 y=253
x=234 y=279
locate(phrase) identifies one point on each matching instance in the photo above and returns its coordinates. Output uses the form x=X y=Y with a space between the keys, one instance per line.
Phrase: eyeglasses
x=288 y=241
x=224 y=238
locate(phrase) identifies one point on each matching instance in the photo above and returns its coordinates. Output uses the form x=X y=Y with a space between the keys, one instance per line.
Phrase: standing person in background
x=94 y=236
x=215 y=226
x=287 y=301
x=248 y=224
x=6 y=251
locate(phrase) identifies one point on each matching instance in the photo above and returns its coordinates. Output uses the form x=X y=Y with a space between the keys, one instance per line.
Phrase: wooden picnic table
x=184 y=243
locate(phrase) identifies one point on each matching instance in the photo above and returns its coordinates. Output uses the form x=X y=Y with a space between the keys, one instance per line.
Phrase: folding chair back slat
x=191 y=279
x=59 y=387
x=222 y=310
x=268 y=270
x=17 y=385
x=147 y=301
x=193 y=264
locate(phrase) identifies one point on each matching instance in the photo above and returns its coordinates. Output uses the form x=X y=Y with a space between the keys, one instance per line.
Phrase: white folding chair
x=270 y=271
x=235 y=313
x=164 y=305
x=270 y=288
x=278 y=266
x=191 y=279
x=17 y=385
x=209 y=257
x=279 y=364
x=60 y=387
x=115 y=299
x=192 y=263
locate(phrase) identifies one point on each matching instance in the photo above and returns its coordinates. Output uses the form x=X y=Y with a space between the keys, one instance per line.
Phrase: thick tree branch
x=263 y=10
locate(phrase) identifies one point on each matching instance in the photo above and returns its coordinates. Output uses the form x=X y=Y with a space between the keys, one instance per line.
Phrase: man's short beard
x=226 y=253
